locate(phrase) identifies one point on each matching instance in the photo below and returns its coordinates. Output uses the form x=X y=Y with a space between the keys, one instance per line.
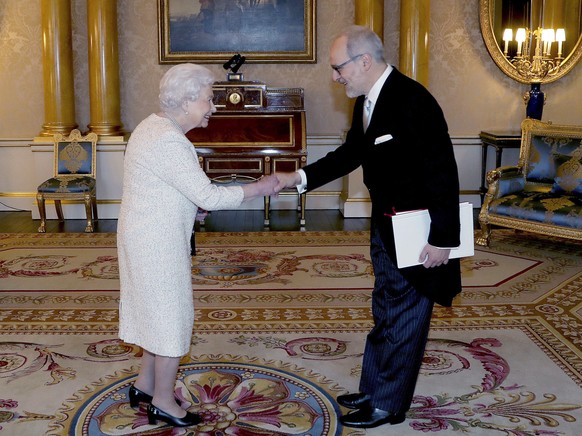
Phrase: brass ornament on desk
x=235 y=98
x=234 y=64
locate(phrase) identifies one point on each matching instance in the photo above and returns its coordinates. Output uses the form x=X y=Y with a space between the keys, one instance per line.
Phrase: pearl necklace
x=171 y=118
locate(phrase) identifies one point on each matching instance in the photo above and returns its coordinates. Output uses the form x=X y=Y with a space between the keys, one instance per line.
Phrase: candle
x=550 y=37
x=507 y=36
x=560 y=37
x=520 y=38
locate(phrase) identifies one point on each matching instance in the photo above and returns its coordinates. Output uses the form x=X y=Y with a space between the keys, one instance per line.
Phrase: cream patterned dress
x=163 y=185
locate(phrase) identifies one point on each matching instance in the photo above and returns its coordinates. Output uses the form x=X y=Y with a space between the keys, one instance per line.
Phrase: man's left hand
x=432 y=256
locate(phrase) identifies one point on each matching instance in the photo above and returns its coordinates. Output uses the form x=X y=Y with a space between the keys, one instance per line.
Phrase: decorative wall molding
x=26 y=162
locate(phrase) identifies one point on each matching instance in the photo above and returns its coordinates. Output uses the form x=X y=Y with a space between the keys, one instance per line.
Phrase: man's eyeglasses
x=338 y=68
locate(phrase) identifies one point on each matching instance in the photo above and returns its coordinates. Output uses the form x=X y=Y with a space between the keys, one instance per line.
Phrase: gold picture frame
x=212 y=31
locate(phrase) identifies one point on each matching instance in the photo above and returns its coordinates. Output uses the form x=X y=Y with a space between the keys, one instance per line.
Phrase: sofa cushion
x=559 y=210
x=568 y=178
x=541 y=167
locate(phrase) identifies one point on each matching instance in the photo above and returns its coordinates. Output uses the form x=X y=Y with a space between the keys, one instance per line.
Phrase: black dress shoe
x=370 y=418
x=353 y=401
x=155 y=415
x=136 y=396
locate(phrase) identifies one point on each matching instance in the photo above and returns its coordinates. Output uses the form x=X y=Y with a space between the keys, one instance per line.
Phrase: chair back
x=75 y=155
x=544 y=149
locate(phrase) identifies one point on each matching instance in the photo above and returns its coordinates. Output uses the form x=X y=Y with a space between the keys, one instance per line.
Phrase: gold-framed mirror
x=497 y=15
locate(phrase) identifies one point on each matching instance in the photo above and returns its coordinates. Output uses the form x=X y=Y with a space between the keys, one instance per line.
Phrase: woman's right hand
x=269 y=185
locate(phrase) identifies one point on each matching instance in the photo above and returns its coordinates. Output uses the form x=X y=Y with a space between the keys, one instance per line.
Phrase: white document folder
x=411 y=235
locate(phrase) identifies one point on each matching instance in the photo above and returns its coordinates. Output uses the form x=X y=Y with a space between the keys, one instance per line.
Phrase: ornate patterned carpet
x=281 y=323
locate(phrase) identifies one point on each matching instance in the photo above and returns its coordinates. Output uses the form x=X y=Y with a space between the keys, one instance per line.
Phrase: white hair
x=181 y=83
x=362 y=39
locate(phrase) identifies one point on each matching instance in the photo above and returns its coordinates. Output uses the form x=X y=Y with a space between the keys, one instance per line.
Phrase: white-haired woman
x=163 y=186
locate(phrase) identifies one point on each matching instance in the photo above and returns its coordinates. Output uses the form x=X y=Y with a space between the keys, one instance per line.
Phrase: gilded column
x=104 y=89
x=57 y=62
x=370 y=13
x=414 y=28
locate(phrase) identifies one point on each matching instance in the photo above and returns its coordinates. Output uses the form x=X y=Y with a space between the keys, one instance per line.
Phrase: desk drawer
x=233 y=165
x=288 y=164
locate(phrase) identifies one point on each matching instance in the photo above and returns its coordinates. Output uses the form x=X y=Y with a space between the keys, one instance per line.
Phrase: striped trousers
x=395 y=345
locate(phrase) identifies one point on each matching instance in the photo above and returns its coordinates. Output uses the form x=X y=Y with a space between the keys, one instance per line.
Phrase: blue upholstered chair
x=74 y=177
x=543 y=193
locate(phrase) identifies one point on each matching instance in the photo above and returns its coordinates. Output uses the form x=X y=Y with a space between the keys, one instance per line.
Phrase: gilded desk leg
x=267 y=205
x=59 y=208
x=88 y=207
x=42 y=212
x=482 y=189
x=302 y=198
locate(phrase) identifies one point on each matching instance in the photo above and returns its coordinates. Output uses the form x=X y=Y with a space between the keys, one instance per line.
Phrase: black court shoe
x=155 y=415
x=136 y=396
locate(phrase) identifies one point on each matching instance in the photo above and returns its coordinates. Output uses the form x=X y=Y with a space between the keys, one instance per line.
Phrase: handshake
x=272 y=184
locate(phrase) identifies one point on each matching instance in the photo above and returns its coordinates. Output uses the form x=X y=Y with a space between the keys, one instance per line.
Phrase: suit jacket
x=408 y=163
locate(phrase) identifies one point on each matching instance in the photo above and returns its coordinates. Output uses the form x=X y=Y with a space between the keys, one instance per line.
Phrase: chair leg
x=88 y=207
x=42 y=212
x=59 y=208
x=485 y=236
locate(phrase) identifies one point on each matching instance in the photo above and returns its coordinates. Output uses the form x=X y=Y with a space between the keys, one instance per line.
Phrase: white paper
x=411 y=235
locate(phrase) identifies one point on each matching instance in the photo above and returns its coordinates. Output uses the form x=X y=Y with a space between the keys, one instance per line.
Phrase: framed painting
x=212 y=31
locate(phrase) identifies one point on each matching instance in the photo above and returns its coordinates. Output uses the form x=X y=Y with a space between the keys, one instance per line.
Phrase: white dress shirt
x=372 y=96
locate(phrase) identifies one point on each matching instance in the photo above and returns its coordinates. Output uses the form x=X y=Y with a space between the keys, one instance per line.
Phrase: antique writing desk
x=255 y=131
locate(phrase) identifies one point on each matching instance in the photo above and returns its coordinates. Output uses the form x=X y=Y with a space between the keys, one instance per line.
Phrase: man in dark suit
x=408 y=163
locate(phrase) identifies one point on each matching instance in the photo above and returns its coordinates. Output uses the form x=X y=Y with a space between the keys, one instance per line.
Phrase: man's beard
x=352 y=92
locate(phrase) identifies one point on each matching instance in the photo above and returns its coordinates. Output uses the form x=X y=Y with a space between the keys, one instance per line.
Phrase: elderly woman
x=163 y=186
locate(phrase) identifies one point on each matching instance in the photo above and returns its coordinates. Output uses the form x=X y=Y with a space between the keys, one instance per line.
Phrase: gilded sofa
x=543 y=193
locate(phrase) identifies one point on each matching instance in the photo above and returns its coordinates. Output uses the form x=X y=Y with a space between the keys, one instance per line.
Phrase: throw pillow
x=568 y=178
